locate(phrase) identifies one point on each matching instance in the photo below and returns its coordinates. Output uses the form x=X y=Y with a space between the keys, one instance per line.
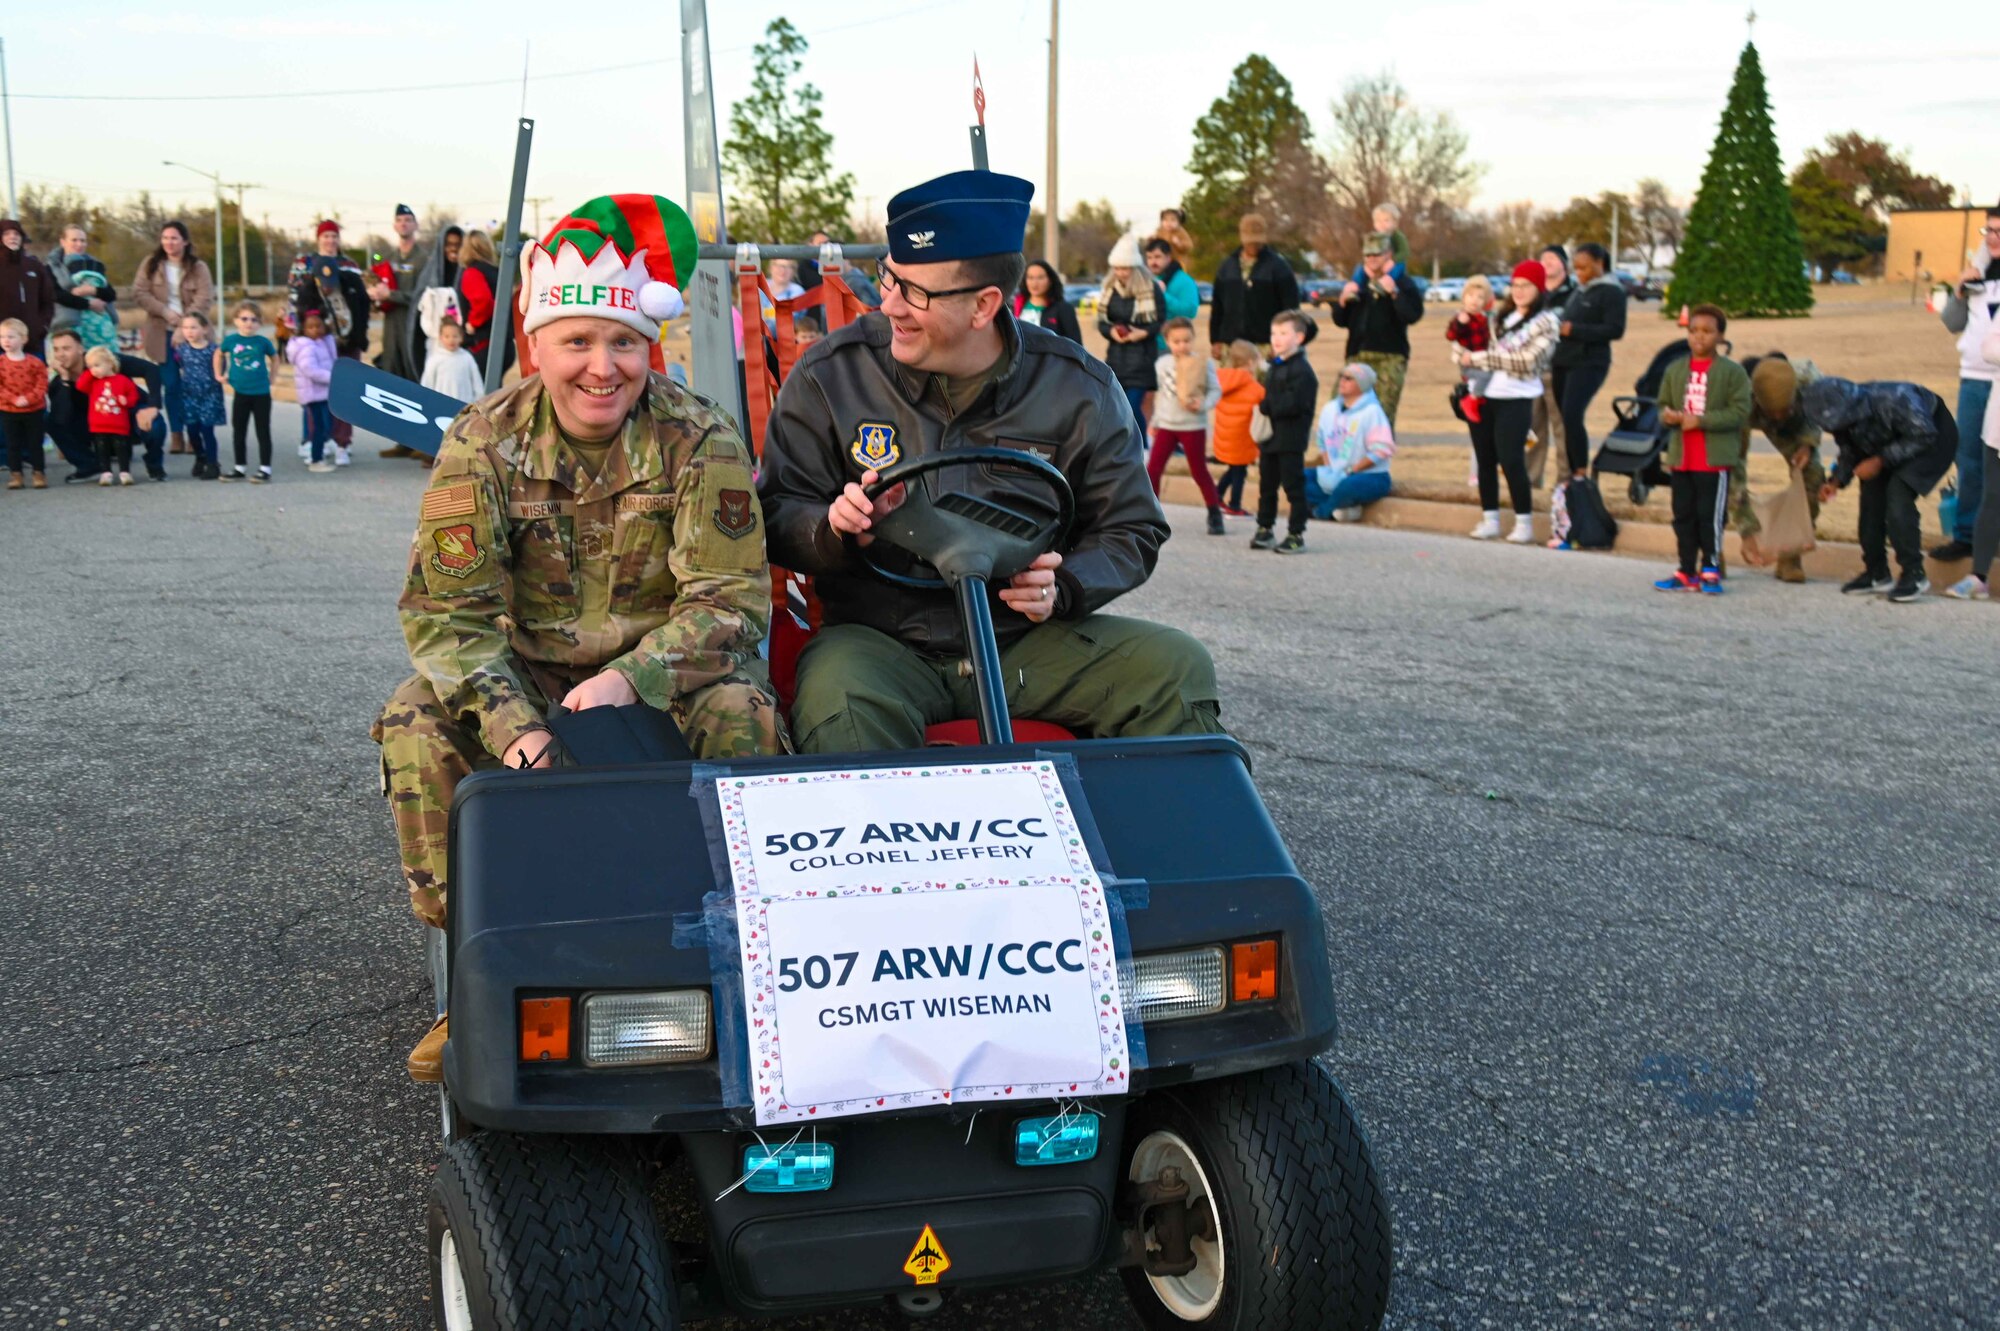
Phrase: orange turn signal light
x=545 y=1030
x=1254 y=970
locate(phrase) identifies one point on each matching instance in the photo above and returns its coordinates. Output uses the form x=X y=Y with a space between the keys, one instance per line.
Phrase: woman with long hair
x=1523 y=341
x=171 y=282
x=1130 y=310
x=478 y=278
x=1040 y=301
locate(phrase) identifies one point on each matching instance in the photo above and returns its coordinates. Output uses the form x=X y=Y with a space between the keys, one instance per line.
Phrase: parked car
x=1207 y=290
x=1313 y=289
x=1445 y=290
x=1082 y=296
x=1842 y=278
x=1642 y=288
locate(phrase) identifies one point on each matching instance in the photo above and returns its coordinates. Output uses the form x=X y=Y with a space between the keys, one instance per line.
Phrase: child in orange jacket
x=1231 y=442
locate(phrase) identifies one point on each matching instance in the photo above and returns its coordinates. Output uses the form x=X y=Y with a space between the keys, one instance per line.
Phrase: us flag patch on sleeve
x=448 y=501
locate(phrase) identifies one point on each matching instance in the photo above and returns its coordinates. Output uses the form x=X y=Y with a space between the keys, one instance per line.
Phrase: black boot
x=1215 y=527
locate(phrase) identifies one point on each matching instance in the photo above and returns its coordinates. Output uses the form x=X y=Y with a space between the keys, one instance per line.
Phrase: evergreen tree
x=778 y=153
x=1243 y=148
x=1742 y=248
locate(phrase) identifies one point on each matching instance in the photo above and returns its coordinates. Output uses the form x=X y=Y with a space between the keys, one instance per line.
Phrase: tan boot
x=426 y=1061
x=1790 y=569
x=40 y=482
x=398 y=451
x=177 y=442
x=14 y=481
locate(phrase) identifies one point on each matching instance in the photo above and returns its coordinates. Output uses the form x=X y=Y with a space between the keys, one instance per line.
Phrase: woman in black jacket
x=1040 y=301
x=1130 y=310
x=1593 y=317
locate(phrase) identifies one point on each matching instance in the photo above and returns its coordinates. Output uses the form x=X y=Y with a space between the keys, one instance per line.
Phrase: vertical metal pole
x=711 y=292
x=510 y=261
x=1051 y=228
x=221 y=276
x=7 y=115
x=242 y=243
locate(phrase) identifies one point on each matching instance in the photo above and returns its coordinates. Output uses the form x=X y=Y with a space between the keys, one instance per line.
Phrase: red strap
x=760 y=382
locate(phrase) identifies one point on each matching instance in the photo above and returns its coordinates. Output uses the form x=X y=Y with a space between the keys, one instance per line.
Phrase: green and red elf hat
x=622 y=257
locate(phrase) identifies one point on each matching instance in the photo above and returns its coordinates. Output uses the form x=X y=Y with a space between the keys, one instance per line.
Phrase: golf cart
x=600 y=959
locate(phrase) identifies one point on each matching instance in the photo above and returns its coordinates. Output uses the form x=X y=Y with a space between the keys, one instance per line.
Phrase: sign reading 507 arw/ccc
x=919 y=936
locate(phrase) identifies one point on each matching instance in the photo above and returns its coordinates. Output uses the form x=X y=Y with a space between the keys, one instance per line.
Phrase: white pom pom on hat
x=661 y=301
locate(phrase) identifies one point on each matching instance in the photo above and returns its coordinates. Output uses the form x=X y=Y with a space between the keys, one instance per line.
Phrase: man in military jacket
x=590 y=537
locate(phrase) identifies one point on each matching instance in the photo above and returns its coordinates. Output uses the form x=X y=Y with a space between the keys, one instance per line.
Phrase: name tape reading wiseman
x=920 y=936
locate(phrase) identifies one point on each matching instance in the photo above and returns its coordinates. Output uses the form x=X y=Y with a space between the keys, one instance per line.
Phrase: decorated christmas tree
x=1742 y=249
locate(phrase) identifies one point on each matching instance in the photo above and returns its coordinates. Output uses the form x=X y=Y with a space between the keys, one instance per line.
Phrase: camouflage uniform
x=1390 y=370
x=528 y=575
x=1789 y=437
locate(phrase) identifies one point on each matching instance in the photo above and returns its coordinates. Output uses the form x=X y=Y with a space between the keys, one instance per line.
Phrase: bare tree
x=1517 y=231
x=1386 y=150
x=1656 y=218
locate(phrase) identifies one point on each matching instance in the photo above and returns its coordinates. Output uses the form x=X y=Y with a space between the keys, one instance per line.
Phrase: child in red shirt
x=24 y=394
x=112 y=398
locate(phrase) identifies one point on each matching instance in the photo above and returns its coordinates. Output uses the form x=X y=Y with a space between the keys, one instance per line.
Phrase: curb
x=1834 y=561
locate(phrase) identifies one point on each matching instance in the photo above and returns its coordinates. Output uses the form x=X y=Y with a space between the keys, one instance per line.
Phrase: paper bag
x=1787 y=520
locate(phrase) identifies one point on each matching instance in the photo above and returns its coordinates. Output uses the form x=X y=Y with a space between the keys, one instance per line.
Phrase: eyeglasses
x=918 y=298
x=1993 y=230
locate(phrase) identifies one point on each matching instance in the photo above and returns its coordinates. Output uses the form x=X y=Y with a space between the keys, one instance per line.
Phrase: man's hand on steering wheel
x=1032 y=591
x=606 y=688
x=853 y=513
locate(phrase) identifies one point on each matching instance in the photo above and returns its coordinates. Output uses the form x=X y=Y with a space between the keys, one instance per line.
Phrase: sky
x=1637 y=93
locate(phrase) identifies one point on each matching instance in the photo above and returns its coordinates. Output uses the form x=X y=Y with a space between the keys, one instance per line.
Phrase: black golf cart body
x=573 y=883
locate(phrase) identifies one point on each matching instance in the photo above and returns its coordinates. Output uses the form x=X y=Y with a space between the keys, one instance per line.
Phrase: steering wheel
x=965 y=535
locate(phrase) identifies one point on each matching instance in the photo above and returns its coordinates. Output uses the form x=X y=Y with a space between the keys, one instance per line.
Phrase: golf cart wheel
x=1637 y=492
x=1296 y=1231
x=545 y=1234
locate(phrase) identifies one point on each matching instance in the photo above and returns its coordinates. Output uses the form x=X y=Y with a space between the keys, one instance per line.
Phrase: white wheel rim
x=1194 y=1296
x=457 y=1310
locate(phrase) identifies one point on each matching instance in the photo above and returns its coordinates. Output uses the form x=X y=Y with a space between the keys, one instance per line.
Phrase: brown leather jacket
x=150 y=290
x=1050 y=396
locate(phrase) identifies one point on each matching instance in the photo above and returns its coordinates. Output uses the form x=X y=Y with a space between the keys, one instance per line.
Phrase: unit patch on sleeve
x=458 y=552
x=874 y=445
x=734 y=517
x=448 y=501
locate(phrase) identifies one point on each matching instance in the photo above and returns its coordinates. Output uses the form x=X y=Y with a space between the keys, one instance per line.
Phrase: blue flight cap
x=964 y=215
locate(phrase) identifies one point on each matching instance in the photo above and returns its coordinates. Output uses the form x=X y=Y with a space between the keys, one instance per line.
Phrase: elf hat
x=621 y=257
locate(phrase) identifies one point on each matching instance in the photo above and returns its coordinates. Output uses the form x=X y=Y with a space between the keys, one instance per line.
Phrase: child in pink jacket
x=312 y=354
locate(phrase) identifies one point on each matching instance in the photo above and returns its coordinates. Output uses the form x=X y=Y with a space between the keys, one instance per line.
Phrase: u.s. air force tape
x=448 y=501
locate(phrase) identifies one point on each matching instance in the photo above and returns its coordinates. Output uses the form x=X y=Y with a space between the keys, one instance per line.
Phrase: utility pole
x=215 y=177
x=7 y=115
x=1051 y=227
x=267 y=250
x=536 y=204
x=242 y=236
x=1614 y=235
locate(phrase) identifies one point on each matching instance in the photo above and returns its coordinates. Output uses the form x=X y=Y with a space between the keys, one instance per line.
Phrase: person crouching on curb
x=1357 y=440
x=1187 y=389
x=1705 y=402
x=590 y=537
x=1291 y=391
x=1898 y=440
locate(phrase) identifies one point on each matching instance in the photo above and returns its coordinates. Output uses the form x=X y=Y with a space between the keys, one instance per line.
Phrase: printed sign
x=918 y=936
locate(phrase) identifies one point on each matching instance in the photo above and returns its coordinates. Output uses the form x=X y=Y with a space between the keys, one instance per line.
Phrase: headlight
x=1170 y=986
x=664 y=1026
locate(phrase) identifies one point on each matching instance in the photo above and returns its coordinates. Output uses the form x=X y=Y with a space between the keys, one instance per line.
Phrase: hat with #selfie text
x=621 y=257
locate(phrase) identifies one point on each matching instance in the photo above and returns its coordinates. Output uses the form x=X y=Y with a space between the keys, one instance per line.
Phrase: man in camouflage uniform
x=590 y=537
x=1774 y=409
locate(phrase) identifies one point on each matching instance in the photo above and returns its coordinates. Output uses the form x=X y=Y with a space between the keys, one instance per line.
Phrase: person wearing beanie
x=1251 y=287
x=396 y=292
x=1524 y=338
x=328 y=283
x=26 y=292
x=590 y=537
x=1774 y=408
x=943 y=364
x=1357 y=440
x=1377 y=313
x=1130 y=312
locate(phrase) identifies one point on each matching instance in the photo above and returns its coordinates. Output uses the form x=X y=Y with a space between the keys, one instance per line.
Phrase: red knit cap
x=328 y=225
x=1531 y=270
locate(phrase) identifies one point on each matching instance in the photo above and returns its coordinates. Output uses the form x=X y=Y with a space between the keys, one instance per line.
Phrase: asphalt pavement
x=1664 y=927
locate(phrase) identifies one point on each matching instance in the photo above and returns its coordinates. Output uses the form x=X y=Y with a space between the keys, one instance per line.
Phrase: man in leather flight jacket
x=945 y=365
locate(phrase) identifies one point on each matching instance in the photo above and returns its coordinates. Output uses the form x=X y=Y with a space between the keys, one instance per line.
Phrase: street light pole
x=1050 y=224
x=216 y=177
x=7 y=115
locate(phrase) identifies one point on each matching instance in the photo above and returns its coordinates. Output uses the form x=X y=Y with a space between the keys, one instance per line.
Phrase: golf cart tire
x=551 y=1234
x=1304 y=1226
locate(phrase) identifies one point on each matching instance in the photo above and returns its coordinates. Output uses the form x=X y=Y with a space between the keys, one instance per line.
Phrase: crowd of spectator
x=1530 y=361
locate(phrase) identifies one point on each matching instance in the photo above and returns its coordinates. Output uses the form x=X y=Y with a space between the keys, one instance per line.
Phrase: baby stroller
x=1635 y=444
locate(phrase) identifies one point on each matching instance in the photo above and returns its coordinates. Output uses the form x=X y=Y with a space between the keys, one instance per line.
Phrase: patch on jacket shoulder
x=734 y=517
x=875 y=446
x=449 y=501
x=458 y=553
